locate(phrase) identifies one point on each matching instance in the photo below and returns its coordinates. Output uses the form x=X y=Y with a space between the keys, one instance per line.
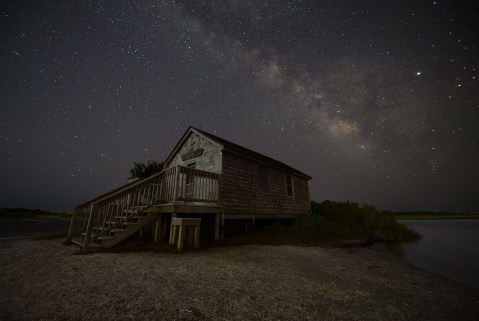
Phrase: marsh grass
x=434 y=216
x=349 y=220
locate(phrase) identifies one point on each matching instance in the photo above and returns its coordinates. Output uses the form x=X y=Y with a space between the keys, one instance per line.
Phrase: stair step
x=113 y=223
x=122 y=220
x=84 y=234
x=129 y=223
x=79 y=240
x=119 y=218
x=135 y=210
x=118 y=230
x=106 y=237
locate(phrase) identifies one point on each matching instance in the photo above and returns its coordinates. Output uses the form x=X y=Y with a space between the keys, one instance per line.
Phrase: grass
x=345 y=220
x=434 y=216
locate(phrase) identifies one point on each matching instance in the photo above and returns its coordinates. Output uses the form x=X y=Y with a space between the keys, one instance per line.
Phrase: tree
x=142 y=170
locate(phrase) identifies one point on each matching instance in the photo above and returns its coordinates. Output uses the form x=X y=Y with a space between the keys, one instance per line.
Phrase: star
x=306 y=82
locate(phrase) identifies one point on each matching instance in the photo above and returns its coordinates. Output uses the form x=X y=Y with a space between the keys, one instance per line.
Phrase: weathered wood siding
x=240 y=192
x=209 y=160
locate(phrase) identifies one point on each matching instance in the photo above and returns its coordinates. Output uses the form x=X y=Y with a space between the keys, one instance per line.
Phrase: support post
x=197 y=237
x=181 y=227
x=158 y=229
x=176 y=186
x=217 y=226
x=172 y=234
x=191 y=236
x=181 y=237
x=222 y=232
x=88 y=228
x=164 y=226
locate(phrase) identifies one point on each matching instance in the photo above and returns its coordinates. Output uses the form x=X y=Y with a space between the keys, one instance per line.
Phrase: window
x=289 y=185
x=263 y=180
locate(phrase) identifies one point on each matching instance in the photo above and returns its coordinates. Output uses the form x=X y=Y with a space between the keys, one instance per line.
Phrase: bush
x=349 y=220
x=142 y=170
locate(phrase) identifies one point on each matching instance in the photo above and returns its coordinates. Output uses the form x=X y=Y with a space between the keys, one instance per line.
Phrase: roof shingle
x=229 y=146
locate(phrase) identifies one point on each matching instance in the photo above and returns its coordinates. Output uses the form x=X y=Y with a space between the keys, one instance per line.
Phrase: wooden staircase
x=115 y=231
x=112 y=217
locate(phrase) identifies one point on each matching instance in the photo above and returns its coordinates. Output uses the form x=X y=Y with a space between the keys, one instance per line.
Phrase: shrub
x=142 y=170
x=349 y=220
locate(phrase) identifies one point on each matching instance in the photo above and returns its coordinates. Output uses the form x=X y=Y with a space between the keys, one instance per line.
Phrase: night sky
x=377 y=100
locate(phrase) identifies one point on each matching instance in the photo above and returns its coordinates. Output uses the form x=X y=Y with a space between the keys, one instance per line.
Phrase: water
x=20 y=227
x=447 y=247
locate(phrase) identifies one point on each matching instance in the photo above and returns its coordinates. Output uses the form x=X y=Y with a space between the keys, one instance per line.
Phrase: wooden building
x=205 y=177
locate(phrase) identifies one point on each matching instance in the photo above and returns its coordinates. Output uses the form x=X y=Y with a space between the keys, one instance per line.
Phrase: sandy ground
x=43 y=280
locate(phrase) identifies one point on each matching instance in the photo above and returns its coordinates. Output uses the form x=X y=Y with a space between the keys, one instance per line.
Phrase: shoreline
x=438 y=217
x=44 y=280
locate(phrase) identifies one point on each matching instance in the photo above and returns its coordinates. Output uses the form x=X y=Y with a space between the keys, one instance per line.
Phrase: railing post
x=177 y=178
x=72 y=225
x=219 y=183
x=88 y=228
x=160 y=187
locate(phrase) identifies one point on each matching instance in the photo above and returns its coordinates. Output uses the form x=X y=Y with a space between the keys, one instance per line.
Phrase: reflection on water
x=447 y=247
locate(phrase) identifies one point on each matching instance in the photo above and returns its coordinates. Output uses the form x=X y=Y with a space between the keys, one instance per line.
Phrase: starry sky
x=377 y=100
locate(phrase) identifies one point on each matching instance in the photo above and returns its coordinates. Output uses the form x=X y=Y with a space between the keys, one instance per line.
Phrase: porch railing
x=176 y=185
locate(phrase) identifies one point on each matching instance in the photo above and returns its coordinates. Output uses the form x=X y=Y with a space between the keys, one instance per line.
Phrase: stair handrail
x=136 y=184
x=105 y=197
x=95 y=205
x=109 y=193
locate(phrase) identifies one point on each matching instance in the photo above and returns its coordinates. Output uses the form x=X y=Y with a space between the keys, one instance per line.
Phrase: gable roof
x=237 y=149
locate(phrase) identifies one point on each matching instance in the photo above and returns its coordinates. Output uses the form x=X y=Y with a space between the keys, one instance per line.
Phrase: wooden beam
x=72 y=225
x=180 y=208
x=197 y=237
x=158 y=229
x=181 y=237
x=173 y=234
x=217 y=226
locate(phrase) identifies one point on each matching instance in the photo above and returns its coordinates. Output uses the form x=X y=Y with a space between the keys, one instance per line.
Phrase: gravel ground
x=43 y=280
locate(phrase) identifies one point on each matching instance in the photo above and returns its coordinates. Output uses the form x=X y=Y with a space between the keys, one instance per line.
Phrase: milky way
x=377 y=100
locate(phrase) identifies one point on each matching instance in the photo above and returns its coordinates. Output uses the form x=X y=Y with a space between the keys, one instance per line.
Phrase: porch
x=112 y=217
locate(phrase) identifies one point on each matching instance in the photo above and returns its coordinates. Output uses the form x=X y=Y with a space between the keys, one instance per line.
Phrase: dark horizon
x=377 y=101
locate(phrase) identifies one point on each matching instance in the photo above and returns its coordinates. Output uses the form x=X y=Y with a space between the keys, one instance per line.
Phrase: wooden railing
x=176 y=185
x=195 y=186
